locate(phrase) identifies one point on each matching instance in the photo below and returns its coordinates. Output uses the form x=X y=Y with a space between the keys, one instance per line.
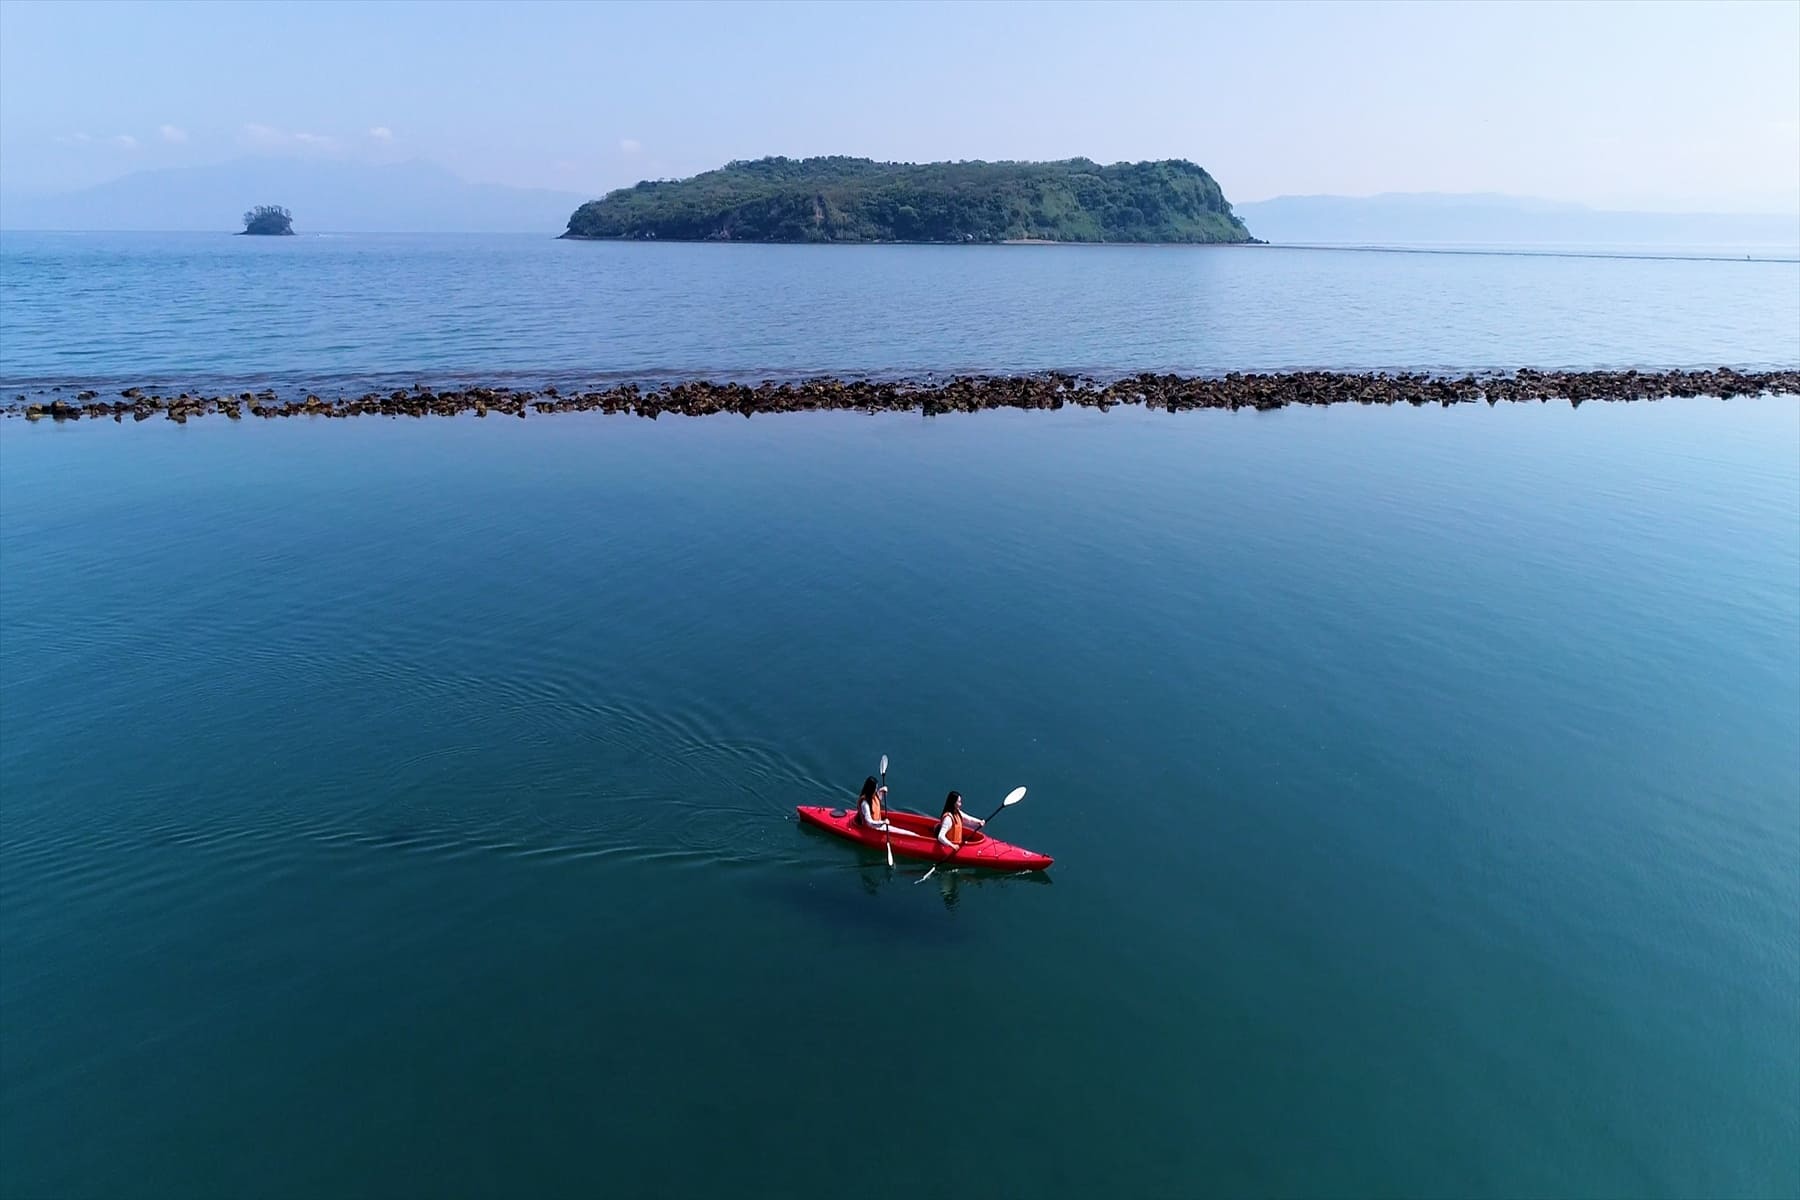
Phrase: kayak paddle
x=1012 y=798
x=887 y=837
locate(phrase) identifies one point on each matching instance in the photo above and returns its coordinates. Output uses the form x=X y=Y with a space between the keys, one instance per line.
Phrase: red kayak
x=915 y=836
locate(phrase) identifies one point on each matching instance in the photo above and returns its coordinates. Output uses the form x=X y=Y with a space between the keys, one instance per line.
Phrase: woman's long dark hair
x=868 y=792
x=952 y=800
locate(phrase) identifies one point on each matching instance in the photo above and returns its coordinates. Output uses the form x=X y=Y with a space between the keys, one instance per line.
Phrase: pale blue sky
x=1617 y=105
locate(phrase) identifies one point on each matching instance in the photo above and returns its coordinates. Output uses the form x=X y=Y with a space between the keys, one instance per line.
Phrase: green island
x=859 y=200
x=269 y=220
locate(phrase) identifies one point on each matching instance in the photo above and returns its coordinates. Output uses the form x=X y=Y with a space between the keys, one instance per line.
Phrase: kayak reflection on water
x=947 y=886
x=952 y=886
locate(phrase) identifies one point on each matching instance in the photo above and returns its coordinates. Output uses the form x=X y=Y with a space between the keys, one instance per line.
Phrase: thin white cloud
x=630 y=145
x=172 y=133
x=267 y=137
x=382 y=133
x=125 y=140
x=75 y=139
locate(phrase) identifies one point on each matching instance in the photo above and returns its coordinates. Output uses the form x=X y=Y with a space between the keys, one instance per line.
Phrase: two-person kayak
x=915 y=836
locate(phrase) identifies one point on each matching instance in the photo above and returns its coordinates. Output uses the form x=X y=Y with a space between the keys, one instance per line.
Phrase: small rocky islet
x=931 y=397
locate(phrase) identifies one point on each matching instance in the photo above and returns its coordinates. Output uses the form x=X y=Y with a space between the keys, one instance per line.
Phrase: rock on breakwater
x=963 y=393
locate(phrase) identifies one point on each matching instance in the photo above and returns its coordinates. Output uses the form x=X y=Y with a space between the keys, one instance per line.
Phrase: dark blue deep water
x=405 y=808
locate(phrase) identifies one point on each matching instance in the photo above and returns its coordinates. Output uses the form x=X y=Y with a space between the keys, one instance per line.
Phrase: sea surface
x=356 y=311
x=405 y=807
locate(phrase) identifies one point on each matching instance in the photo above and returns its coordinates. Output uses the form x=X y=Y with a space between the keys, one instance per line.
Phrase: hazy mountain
x=1488 y=219
x=325 y=197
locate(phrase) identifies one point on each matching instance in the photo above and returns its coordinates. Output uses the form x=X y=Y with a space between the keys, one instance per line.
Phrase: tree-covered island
x=859 y=200
x=269 y=219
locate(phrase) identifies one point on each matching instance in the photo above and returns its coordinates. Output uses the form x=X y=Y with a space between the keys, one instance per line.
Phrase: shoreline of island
x=962 y=243
x=933 y=396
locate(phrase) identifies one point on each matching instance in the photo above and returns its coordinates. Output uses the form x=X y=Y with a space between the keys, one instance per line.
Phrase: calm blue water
x=405 y=807
x=199 y=310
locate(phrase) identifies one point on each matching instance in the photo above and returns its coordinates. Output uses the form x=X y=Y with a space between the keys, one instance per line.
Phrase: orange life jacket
x=875 y=806
x=956 y=829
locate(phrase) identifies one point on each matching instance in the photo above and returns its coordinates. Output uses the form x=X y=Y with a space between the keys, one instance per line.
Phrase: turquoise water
x=204 y=311
x=405 y=808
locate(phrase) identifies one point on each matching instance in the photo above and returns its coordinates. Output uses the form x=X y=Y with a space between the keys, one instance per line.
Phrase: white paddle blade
x=883 y=770
x=1013 y=797
x=890 y=850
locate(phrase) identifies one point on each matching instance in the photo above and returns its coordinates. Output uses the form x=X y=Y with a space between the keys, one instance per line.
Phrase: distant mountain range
x=325 y=197
x=1425 y=219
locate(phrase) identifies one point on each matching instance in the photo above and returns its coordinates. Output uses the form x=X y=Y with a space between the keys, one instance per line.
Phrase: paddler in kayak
x=953 y=826
x=868 y=805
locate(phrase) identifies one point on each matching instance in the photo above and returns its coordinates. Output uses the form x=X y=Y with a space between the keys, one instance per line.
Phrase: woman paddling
x=953 y=825
x=868 y=805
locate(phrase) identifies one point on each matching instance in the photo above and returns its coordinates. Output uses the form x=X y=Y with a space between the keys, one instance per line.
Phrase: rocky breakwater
x=1174 y=393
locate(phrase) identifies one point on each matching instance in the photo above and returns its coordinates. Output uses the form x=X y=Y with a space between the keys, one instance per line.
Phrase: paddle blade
x=1013 y=797
x=883 y=771
x=890 y=850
